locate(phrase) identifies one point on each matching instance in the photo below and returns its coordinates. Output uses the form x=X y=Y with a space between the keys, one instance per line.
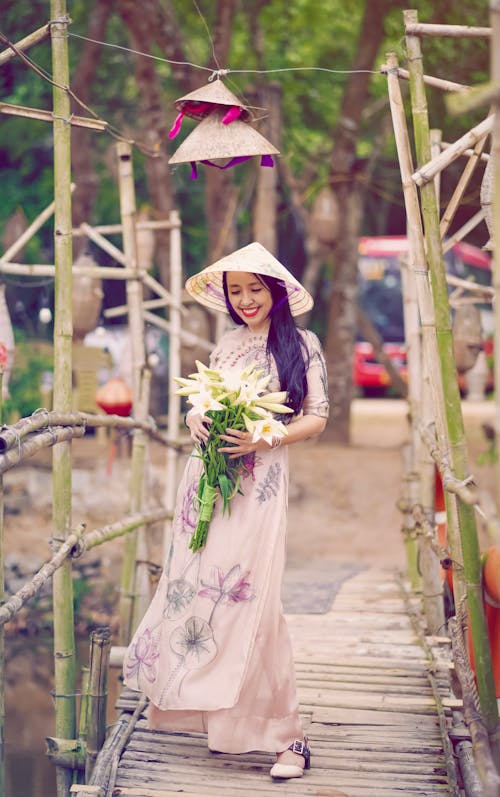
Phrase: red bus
x=380 y=298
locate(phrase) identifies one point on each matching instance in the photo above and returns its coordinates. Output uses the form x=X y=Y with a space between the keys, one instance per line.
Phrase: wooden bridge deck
x=367 y=704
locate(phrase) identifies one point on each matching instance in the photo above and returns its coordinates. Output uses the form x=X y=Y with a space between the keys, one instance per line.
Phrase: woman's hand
x=196 y=424
x=240 y=443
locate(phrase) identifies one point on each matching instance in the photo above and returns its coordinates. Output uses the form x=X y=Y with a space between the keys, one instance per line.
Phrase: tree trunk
x=341 y=324
x=265 y=222
x=82 y=141
x=154 y=126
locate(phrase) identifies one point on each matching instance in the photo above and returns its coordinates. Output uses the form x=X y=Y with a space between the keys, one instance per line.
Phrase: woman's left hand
x=240 y=443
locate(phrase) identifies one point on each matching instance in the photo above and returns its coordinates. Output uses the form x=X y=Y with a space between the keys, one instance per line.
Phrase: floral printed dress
x=212 y=651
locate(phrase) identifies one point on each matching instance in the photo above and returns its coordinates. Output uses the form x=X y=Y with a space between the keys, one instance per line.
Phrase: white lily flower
x=273 y=407
x=204 y=401
x=266 y=429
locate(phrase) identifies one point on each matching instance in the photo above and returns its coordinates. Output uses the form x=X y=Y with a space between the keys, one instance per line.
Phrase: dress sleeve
x=316 y=400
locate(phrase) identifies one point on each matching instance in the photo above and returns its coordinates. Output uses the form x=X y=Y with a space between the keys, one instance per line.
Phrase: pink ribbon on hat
x=200 y=108
x=266 y=160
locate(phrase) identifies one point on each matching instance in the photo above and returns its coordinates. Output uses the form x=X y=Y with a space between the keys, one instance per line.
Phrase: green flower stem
x=216 y=464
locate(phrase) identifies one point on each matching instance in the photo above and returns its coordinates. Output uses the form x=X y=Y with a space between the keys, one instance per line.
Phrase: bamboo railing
x=436 y=412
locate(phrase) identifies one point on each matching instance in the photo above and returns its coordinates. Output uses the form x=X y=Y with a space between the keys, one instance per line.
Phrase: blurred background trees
x=337 y=177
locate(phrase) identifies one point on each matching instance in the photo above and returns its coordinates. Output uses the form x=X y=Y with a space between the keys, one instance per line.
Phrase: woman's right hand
x=196 y=424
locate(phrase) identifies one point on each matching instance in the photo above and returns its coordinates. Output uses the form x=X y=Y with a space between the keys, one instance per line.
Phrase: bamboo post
x=418 y=267
x=83 y=719
x=64 y=635
x=135 y=576
x=100 y=643
x=452 y=406
x=495 y=152
x=414 y=363
x=140 y=392
x=134 y=286
x=28 y=41
x=174 y=369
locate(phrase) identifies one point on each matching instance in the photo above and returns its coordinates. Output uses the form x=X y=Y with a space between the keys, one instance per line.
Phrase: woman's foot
x=292 y=762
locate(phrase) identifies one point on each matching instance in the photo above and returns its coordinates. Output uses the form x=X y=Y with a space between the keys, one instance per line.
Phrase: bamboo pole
x=418 y=266
x=134 y=594
x=125 y=259
x=54 y=437
x=467 y=152
x=98 y=125
x=134 y=287
x=30 y=231
x=114 y=229
x=64 y=635
x=135 y=577
x=452 y=406
x=35 y=37
x=75 y=545
x=469 y=225
x=11 y=436
x=494 y=732
x=100 y=643
x=44 y=270
x=435 y=82
x=414 y=398
x=462 y=184
x=478 y=97
x=66 y=753
x=83 y=719
x=430 y=168
x=454 y=31
x=187 y=337
x=174 y=368
x=435 y=140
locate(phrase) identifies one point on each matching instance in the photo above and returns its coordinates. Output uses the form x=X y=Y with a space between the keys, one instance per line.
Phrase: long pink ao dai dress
x=212 y=652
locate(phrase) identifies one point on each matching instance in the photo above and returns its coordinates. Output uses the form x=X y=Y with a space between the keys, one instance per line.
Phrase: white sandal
x=285 y=771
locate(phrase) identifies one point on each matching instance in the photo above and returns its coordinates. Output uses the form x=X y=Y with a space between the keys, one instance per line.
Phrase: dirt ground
x=343 y=500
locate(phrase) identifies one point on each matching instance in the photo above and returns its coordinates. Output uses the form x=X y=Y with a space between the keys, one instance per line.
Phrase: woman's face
x=250 y=299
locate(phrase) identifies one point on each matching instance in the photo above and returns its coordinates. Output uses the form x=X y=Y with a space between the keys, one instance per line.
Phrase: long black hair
x=284 y=341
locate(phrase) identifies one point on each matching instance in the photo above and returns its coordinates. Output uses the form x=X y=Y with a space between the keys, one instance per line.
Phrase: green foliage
x=285 y=34
x=31 y=361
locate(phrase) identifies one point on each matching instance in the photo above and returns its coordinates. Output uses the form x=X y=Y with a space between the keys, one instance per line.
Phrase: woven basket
x=87 y=299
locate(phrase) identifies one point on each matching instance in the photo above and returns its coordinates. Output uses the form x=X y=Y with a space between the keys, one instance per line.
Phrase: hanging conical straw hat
x=212 y=140
x=217 y=94
x=206 y=287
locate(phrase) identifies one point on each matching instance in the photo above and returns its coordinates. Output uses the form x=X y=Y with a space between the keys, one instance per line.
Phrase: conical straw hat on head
x=212 y=140
x=215 y=93
x=206 y=287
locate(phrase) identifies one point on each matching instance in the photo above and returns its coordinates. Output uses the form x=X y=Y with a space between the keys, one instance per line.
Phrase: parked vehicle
x=380 y=298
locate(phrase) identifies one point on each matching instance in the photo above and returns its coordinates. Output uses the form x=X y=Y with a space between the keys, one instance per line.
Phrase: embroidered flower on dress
x=269 y=486
x=230 y=588
x=247 y=465
x=143 y=656
x=190 y=509
x=194 y=642
x=180 y=593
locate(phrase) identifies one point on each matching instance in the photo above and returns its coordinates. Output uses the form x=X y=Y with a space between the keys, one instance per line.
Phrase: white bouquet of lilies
x=233 y=400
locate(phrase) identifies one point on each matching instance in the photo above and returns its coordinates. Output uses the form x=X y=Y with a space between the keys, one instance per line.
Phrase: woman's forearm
x=302 y=429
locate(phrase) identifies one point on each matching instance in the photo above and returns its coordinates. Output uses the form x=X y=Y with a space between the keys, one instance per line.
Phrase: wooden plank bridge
x=375 y=700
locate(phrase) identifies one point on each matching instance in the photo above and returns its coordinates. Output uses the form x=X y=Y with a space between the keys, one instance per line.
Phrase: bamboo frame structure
x=98 y=125
x=64 y=634
x=455 y=431
x=100 y=642
x=28 y=41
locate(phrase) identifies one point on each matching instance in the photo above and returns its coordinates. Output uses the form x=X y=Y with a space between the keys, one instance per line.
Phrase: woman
x=213 y=652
